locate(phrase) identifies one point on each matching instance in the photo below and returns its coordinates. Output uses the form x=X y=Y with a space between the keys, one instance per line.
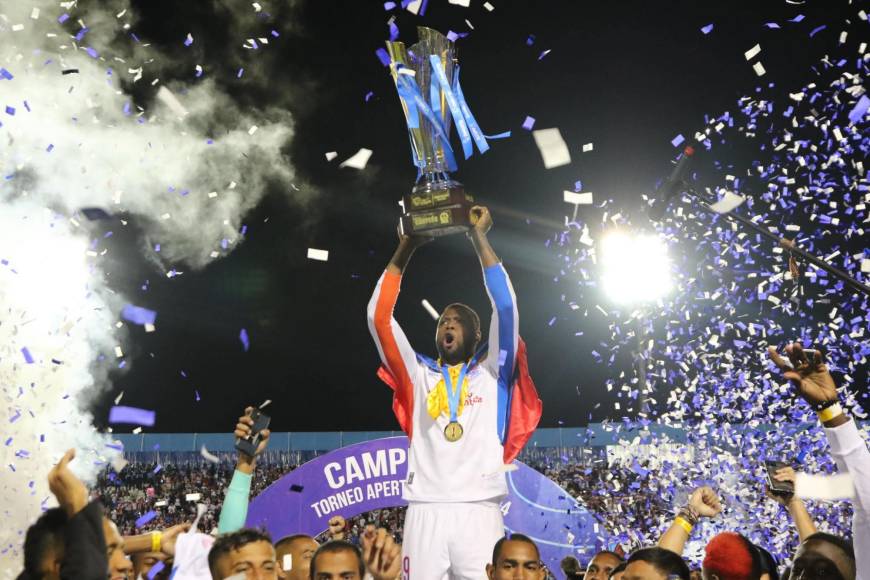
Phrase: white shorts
x=450 y=540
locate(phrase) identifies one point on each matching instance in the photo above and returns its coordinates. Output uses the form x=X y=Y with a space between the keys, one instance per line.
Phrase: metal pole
x=789 y=245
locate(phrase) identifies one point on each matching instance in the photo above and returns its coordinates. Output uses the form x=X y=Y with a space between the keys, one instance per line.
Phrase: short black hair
x=616 y=555
x=667 y=562
x=621 y=568
x=468 y=310
x=333 y=547
x=496 y=550
x=291 y=538
x=46 y=533
x=768 y=563
x=226 y=543
x=570 y=565
x=841 y=543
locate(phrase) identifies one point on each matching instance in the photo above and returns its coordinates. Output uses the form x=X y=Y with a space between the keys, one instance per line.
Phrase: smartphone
x=778 y=487
x=248 y=445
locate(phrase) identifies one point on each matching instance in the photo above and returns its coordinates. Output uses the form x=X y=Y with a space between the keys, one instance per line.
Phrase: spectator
x=571 y=568
x=815 y=385
x=245 y=551
x=655 y=563
x=380 y=557
x=602 y=564
x=730 y=556
x=44 y=546
x=516 y=556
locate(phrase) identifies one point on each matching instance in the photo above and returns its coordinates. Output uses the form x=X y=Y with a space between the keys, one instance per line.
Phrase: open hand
x=705 y=501
x=381 y=553
x=811 y=379
x=71 y=493
x=481 y=219
x=170 y=536
x=244 y=430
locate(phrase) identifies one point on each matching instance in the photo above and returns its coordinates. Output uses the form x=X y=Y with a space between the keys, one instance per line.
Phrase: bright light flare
x=635 y=268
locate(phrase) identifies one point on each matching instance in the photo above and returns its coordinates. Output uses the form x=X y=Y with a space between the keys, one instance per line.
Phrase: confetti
x=578 y=198
x=752 y=52
x=146 y=518
x=320 y=255
x=728 y=202
x=243 y=337
x=359 y=160
x=208 y=456
x=131 y=415
x=587 y=147
x=707 y=29
x=330 y=155
x=287 y=562
x=552 y=147
x=529 y=123
x=758 y=68
x=138 y=315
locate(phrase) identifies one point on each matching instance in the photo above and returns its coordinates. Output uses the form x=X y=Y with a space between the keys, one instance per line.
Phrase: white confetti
x=321 y=255
x=192 y=496
x=587 y=147
x=252 y=130
x=553 y=149
x=488 y=6
x=287 y=562
x=463 y=3
x=330 y=155
x=208 y=456
x=358 y=160
x=749 y=54
x=170 y=100
x=584 y=198
x=728 y=202
x=34 y=13
x=759 y=69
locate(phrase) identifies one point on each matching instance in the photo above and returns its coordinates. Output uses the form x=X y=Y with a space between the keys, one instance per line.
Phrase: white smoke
x=187 y=168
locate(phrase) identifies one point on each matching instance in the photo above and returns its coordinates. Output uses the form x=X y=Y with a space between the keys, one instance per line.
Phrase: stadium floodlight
x=636 y=268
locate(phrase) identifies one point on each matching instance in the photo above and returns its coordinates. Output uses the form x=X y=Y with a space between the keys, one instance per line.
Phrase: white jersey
x=472 y=468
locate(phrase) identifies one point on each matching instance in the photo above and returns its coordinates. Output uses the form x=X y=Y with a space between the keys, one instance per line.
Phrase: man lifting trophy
x=469 y=412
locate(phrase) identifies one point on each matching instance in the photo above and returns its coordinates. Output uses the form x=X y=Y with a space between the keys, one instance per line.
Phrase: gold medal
x=453 y=431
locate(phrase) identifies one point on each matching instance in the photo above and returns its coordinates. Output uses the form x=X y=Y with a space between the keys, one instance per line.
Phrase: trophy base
x=436 y=208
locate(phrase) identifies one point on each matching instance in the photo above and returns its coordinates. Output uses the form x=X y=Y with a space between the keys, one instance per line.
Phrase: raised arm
x=504 y=325
x=234 y=510
x=395 y=351
x=815 y=385
x=795 y=505
x=702 y=503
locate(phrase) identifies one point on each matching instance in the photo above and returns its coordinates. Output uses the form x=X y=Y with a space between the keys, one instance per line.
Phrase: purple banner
x=367 y=476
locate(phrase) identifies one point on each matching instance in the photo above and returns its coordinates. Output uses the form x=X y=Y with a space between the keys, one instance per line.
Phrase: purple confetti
x=383 y=56
x=146 y=518
x=772 y=25
x=529 y=123
x=707 y=29
x=10 y=111
x=797 y=18
x=678 y=140
x=138 y=315
x=389 y=5
x=243 y=336
x=63 y=18
x=860 y=109
x=189 y=40
x=817 y=29
x=92 y=52
x=155 y=570
x=28 y=358
x=131 y=415
x=6 y=74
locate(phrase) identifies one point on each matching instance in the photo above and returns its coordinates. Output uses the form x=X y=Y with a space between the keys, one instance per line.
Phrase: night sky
x=627 y=76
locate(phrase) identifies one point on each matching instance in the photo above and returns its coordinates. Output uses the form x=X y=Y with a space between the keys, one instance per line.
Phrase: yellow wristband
x=683 y=523
x=834 y=410
x=155 y=541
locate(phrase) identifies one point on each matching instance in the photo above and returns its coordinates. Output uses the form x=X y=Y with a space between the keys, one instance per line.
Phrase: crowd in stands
x=101 y=535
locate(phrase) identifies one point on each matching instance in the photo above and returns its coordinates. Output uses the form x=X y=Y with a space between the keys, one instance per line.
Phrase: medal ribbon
x=454 y=392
